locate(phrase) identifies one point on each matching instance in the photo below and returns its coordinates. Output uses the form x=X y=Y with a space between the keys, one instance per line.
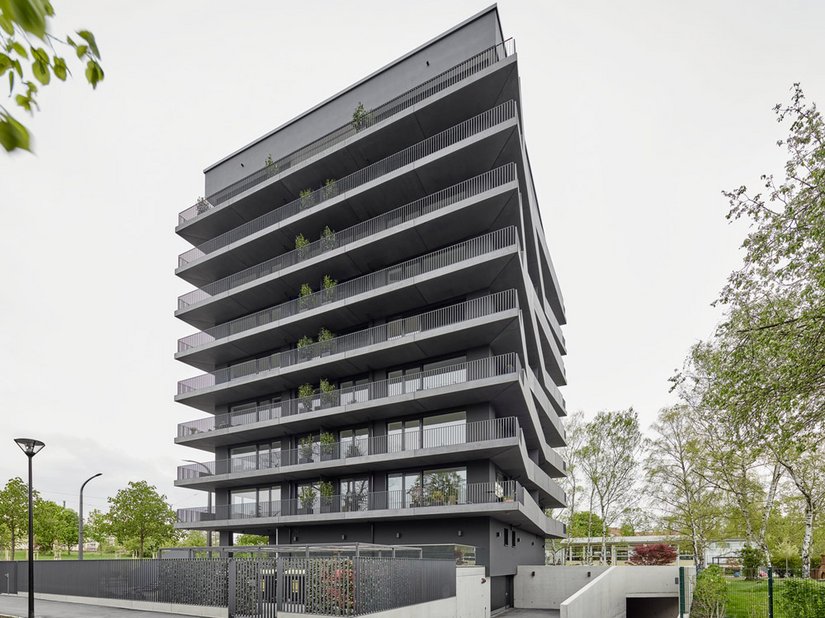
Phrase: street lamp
x=30 y=447
x=208 y=498
x=80 y=519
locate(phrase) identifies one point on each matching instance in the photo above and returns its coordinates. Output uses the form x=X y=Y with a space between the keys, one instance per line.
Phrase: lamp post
x=80 y=519
x=208 y=499
x=30 y=447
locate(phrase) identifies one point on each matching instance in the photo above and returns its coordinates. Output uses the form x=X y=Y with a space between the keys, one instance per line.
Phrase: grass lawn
x=749 y=599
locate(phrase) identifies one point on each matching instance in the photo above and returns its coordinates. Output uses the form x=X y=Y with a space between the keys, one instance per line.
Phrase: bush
x=751 y=561
x=653 y=554
x=711 y=594
x=802 y=598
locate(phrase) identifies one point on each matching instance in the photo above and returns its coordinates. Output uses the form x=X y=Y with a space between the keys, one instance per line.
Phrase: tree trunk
x=807 y=538
x=766 y=512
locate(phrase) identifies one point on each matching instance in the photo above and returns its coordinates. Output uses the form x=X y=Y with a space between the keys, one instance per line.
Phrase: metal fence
x=462 y=131
x=358 y=446
x=357 y=233
x=358 y=586
x=415 y=95
x=314 y=503
x=460 y=373
x=395 y=330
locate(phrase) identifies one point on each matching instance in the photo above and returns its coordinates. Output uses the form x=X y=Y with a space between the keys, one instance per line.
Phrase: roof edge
x=492 y=7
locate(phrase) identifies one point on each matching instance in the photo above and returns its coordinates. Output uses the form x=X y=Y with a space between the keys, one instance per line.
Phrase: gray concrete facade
x=409 y=394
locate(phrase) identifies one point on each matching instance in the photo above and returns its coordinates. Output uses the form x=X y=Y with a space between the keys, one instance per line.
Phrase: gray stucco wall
x=423 y=64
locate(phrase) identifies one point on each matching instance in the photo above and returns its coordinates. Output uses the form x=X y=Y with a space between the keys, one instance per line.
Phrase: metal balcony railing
x=357 y=233
x=316 y=451
x=473 y=126
x=434 y=85
x=449 y=256
x=460 y=373
x=405 y=327
x=419 y=496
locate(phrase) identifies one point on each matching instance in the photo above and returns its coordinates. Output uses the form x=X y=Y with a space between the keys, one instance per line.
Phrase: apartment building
x=379 y=321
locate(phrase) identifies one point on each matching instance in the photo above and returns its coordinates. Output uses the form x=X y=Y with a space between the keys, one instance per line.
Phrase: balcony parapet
x=464 y=130
x=461 y=373
x=453 y=315
x=449 y=256
x=316 y=452
x=356 y=234
x=404 y=101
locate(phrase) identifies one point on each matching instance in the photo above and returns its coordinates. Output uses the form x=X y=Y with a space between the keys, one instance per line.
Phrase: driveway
x=529 y=613
x=18 y=607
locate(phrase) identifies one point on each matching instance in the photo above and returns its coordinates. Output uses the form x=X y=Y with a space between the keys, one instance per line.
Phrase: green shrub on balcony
x=270 y=167
x=330 y=188
x=307 y=498
x=301 y=243
x=328 y=395
x=307 y=198
x=328 y=284
x=327 y=441
x=202 y=205
x=304 y=342
x=306 y=392
x=361 y=118
x=328 y=241
x=305 y=299
x=305 y=449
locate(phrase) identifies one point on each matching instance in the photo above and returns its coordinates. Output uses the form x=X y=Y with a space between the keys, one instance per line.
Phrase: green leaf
x=38 y=53
x=13 y=135
x=11 y=81
x=41 y=72
x=94 y=73
x=47 y=6
x=30 y=15
x=6 y=24
x=90 y=39
x=5 y=63
x=60 y=69
x=24 y=102
x=81 y=50
x=70 y=41
x=21 y=51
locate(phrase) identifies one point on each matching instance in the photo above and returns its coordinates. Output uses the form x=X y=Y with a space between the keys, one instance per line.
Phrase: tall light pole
x=30 y=447
x=80 y=519
x=208 y=499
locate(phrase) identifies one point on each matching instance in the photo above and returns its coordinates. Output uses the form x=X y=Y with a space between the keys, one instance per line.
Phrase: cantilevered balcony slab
x=474 y=147
x=470 y=87
x=485 y=262
x=266 y=284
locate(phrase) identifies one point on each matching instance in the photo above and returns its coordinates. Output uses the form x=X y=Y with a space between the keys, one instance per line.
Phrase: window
x=355 y=442
x=243 y=458
x=506 y=537
x=403 y=490
x=355 y=494
x=243 y=503
x=403 y=436
x=354 y=391
x=445 y=429
x=428 y=488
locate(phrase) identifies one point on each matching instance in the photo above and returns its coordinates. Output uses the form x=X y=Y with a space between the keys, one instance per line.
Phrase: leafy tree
x=678 y=479
x=585 y=524
x=24 y=26
x=140 y=518
x=653 y=554
x=252 y=539
x=751 y=561
x=95 y=527
x=711 y=594
x=192 y=538
x=627 y=529
x=610 y=460
x=14 y=509
x=802 y=598
x=54 y=523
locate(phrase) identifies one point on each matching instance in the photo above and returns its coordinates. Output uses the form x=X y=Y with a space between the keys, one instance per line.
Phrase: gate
x=252 y=591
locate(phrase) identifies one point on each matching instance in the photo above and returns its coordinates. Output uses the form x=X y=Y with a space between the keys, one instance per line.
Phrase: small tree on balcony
x=270 y=167
x=327 y=389
x=306 y=448
x=325 y=337
x=202 y=205
x=307 y=498
x=306 y=198
x=305 y=297
x=330 y=188
x=301 y=243
x=361 y=118
x=328 y=239
x=329 y=284
x=305 y=393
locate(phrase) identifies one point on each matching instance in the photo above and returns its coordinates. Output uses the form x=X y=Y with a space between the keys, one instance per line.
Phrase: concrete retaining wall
x=551 y=585
x=443 y=608
x=606 y=595
x=472 y=593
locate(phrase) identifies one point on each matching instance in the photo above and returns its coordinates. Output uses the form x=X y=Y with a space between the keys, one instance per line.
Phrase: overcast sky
x=637 y=115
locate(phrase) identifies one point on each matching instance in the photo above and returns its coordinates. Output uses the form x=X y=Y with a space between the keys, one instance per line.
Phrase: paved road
x=529 y=613
x=16 y=607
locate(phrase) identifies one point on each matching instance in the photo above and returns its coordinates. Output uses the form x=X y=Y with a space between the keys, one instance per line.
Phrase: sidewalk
x=18 y=607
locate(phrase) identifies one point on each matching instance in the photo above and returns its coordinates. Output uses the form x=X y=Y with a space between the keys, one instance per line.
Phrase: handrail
x=338 y=240
x=420 y=496
x=460 y=373
x=442 y=258
x=404 y=327
x=455 y=134
x=404 y=101
x=316 y=451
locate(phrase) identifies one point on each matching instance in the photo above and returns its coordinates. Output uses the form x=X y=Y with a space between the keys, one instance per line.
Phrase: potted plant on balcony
x=328 y=241
x=329 y=188
x=361 y=118
x=301 y=244
x=327 y=441
x=306 y=393
x=307 y=498
x=325 y=337
x=305 y=298
x=307 y=199
x=326 y=489
x=305 y=450
x=202 y=205
x=270 y=167
x=328 y=284
x=328 y=394
x=304 y=342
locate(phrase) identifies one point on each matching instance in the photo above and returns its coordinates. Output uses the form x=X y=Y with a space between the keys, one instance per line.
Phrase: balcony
x=462 y=151
x=437 y=445
x=473 y=206
x=476 y=252
x=505 y=500
x=375 y=117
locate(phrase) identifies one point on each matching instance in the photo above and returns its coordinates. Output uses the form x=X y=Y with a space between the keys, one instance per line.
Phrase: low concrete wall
x=551 y=584
x=472 y=593
x=606 y=595
x=166 y=608
x=443 y=608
